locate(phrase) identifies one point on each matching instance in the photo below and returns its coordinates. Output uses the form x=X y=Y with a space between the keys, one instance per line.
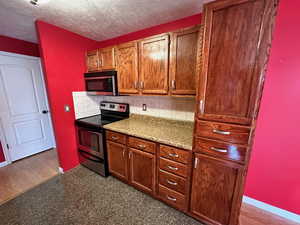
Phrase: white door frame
x=2 y=134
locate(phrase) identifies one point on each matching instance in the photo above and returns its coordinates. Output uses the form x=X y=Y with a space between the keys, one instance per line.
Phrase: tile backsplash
x=159 y=106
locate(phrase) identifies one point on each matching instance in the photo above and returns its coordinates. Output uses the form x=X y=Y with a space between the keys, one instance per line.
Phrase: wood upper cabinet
x=214 y=190
x=237 y=38
x=92 y=60
x=117 y=159
x=127 y=67
x=154 y=62
x=142 y=170
x=183 y=56
x=107 y=58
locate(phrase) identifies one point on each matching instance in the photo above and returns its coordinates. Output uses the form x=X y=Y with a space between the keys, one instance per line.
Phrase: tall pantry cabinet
x=236 y=43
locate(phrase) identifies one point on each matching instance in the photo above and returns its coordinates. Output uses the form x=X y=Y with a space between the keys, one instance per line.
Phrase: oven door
x=90 y=141
x=102 y=85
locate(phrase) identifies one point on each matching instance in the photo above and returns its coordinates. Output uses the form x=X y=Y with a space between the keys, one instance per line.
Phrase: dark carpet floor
x=82 y=197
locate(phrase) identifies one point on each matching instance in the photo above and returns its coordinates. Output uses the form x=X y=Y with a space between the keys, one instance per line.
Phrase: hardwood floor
x=251 y=215
x=22 y=175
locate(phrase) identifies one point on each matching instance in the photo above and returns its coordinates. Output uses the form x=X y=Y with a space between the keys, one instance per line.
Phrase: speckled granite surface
x=171 y=132
x=81 y=197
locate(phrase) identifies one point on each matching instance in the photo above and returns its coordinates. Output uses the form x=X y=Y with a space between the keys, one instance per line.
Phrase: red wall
x=274 y=173
x=177 y=24
x=62 y=54
x=63 y=57
x=8 y=44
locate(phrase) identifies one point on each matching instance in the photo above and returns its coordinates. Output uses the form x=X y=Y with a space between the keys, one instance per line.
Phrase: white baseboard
x=275 y=210
x=61 y=170
x=2 y=164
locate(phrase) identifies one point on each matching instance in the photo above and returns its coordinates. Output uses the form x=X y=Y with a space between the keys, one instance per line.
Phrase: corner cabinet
x=183 y=56
x=127 y=67
x=154 y=65
x=237 y=37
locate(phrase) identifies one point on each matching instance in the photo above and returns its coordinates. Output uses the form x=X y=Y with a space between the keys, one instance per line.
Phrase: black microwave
x=101 y=83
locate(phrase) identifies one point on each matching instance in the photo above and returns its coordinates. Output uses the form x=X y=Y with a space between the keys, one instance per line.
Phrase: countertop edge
x=177 y=145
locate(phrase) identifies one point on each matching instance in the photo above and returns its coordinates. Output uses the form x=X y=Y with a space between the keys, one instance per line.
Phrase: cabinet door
x=117 y=160
x=142 y=170
x=107 y=58
x=127 y=67
x=183 y=57
x=237 y=39
x=92 y=60
x=154 y=54
x=213 y=189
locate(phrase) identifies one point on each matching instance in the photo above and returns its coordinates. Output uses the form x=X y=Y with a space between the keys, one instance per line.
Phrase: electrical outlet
x=144 y=107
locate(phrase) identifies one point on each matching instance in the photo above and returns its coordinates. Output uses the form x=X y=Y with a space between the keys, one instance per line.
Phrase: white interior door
x=24 y=113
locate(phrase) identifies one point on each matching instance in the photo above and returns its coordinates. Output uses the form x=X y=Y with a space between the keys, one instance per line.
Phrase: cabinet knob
x=218 y=149
x=196 y=163
x=172 y=168
x=221 y=132
x=171 y=182
x=173 y=155
x=173 y=84
x=142 y=85
x=171 y=199
x=201 y=106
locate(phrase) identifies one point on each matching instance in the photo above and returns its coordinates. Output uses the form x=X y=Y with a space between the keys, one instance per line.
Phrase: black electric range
x=91 y=135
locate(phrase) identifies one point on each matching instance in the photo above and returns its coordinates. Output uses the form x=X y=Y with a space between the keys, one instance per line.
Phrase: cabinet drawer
x=146 y=146
x=224 y=132
x=171 y=197
x=172 y=181
x=221 y=149
x=175 y=154
x=173 y=167
x=116 y=137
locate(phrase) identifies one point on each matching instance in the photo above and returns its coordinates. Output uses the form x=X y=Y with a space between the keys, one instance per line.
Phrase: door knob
x=45 y=111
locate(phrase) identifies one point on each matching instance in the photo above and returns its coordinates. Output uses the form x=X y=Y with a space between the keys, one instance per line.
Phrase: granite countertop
x=176 y=133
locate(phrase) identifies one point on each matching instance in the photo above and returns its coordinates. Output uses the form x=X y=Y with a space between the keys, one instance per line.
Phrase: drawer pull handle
x=114 y=138
x=221 y=132
x=172 y=168
x=173 y=155
x=218 y=149
x=171 y=182
x=171 y=198
x=142 y=146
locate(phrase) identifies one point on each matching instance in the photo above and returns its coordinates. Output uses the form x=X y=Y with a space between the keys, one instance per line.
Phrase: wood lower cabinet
x=127 y=67
x=214 y=189
x=118 y=160
x=142 y=170
x=154 y=65
x=183 y=56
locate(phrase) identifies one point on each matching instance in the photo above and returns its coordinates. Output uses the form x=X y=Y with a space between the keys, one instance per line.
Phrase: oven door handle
x=84 y=155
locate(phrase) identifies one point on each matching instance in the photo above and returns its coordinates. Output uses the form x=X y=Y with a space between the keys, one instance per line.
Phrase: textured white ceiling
x=95 y=19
